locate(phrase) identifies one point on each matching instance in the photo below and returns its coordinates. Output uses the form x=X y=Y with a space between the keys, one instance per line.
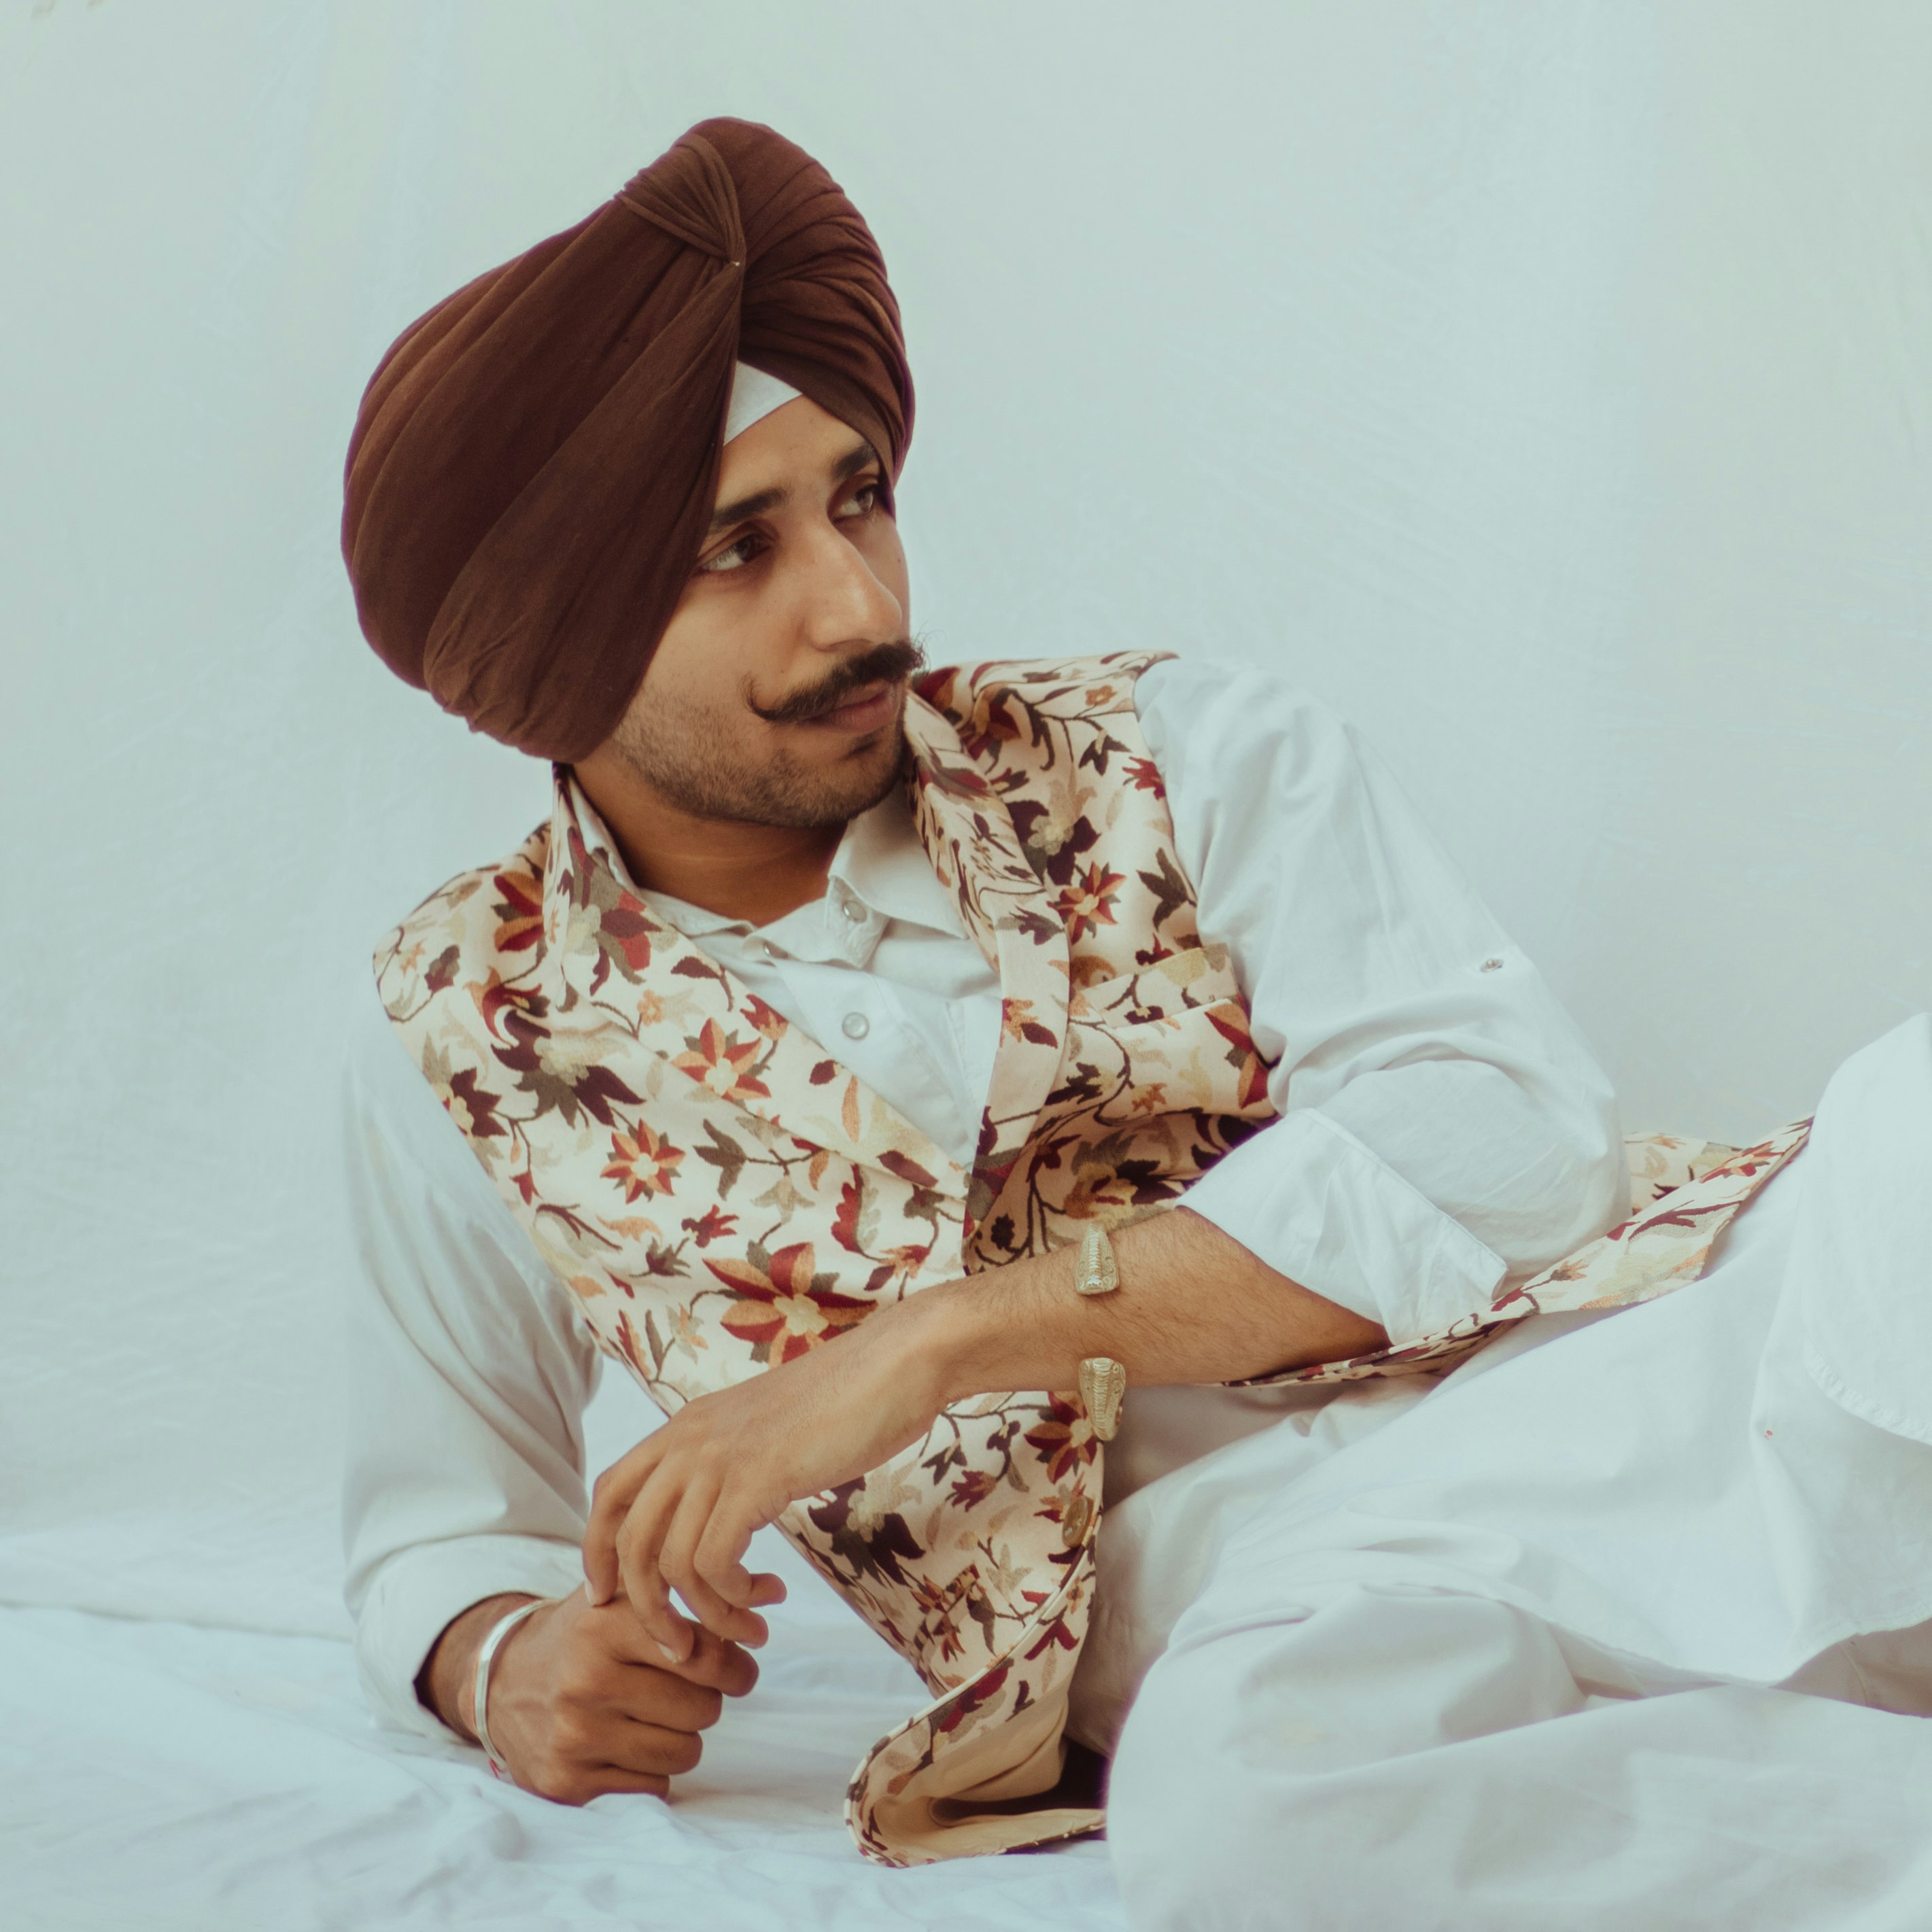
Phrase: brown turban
x=536 y=461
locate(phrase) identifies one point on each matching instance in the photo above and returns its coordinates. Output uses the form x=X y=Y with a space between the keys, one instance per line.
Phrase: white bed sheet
x=183 y=1779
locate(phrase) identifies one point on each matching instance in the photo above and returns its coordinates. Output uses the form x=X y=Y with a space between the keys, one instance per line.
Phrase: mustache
x=891 y=663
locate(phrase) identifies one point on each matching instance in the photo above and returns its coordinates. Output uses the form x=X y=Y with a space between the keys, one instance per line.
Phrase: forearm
x=447 y=1682
x=1193 y=1306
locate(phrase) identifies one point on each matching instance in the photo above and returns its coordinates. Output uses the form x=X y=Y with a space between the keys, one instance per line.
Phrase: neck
x=758 y=873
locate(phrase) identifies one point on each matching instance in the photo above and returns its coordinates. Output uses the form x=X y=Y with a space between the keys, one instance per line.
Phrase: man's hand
x=581 y=1702
x=678 y=1511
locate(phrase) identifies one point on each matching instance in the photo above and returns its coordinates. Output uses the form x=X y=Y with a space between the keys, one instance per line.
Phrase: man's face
x=777 y=695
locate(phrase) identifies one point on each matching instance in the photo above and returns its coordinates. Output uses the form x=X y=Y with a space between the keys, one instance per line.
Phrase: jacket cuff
x=1307 y=1197
x=416 y=1595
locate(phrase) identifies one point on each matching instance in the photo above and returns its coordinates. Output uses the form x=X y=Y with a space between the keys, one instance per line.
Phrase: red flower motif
x=784 y=1309
x=713 y=1226
x=722 y=1062
x=1087 y=903
x=1144 y=776
x=973 y=1487
x=519 y=913
x=1064 y=1436
x=764 y=1020
x=643 y=1163
x=626 y=928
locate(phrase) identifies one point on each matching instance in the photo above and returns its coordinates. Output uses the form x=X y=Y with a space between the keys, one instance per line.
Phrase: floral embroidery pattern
x=1111 y=994
x=785 y=1307
x=1086 y=902
x=641 y=1163
x=726 y=1065
x=1064 y=1437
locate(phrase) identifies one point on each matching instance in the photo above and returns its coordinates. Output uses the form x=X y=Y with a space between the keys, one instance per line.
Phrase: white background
x=1548 y=386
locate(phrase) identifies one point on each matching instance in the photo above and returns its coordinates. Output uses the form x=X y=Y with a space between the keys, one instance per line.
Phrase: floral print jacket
x=721 y=1194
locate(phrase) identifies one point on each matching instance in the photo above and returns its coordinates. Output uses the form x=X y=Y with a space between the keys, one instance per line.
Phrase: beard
x=686 y=754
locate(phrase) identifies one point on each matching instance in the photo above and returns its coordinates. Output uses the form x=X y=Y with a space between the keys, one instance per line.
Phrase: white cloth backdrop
x=1550 y=387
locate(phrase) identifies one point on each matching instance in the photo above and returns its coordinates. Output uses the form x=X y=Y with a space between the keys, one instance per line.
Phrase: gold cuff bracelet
x=1103 y=1381
x=1096 y=1273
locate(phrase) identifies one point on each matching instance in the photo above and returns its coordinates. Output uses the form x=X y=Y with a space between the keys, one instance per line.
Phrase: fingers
x=766 y=1589
x=640 y=1541
x=610 y=1500
x=665 y=1516
x=718 y=1562
x=652 y=1694
x=704 y=1522
x=644 y=1758
x=653 y=1751
x=721 y=1666
x=714 y=1664
x=584 y=1705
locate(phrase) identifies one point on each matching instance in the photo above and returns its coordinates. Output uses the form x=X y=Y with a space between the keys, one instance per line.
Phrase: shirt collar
x=881 y=863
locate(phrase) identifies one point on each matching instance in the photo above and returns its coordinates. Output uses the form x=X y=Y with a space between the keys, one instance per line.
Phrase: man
x=1067 y=1029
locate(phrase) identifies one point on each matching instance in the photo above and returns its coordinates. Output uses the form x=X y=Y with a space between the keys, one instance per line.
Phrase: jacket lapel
x=969 y=836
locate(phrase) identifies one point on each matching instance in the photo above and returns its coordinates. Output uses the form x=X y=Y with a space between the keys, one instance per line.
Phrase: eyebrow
x=856 y=458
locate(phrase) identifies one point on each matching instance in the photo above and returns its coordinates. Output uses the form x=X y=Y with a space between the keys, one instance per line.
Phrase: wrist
x=962 y=1339
x=447 y=1682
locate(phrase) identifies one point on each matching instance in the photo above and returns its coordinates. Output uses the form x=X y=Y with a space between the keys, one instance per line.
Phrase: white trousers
x=1518 y=1657
x=1400 y=1760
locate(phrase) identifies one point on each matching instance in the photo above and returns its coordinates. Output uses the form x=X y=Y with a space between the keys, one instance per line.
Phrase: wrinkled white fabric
x=173 y=1779
x=1383 y=1700
x=1442 y=1123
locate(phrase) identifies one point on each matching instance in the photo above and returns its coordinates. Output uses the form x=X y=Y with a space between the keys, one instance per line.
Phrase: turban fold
x=535 y=462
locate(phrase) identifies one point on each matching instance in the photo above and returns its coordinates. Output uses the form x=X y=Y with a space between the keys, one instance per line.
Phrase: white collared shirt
x=879 y=970
x=1442 y=1124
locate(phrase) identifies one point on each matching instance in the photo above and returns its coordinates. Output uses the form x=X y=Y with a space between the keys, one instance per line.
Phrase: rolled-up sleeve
x=469 y=1373
x=1442 y=1124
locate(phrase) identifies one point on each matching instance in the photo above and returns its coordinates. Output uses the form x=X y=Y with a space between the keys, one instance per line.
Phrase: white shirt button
x=853 y=910
x=855 y=1026
x=1492 y=965
x=765 y=949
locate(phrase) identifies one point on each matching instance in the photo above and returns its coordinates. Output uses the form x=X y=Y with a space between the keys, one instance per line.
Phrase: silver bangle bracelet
x=486 y=1655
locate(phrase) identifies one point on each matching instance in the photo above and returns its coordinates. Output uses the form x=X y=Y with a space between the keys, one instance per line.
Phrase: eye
x=862 y=502
x=734 y=556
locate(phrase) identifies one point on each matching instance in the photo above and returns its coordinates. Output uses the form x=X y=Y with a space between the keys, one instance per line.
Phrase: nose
x=841 y=599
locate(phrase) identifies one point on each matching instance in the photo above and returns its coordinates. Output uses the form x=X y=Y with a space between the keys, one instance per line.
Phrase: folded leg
x=1378 y=1758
